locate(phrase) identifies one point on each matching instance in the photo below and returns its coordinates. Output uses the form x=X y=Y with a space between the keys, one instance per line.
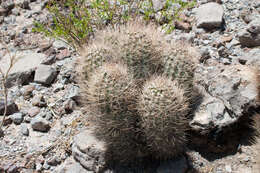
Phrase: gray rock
x=8 y=4
x=71 y=166
x=179 y=165
x=73 y=92
x=17 y=118
x=38 y=100
x=58 y=44
x=40 y=124
x=11 y=107
x=45 y=74
x=89 y=151
x=229 y=91
x=251 y=58
x=158 y=4
x=22 y=71
x=24 y=130
x=209 y=16
x=250 y=36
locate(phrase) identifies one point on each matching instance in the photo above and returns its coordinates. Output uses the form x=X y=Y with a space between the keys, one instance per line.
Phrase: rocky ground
x=45 y=130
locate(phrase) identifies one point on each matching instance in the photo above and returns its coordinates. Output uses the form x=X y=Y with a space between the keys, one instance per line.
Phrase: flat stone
x=45 y=74
x=89 y=151
x=33 y=111
x=22 y=71
x=40 y=124
x=179 y=165
x=209 y=15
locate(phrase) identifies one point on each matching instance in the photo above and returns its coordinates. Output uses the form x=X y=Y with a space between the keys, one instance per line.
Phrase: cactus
x=115 y=67
x=112 y=95
x=163 y=109
x=180 y=62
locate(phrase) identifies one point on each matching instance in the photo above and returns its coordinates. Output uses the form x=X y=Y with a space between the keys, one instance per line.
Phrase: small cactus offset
x=163 y=109
x=112 y=94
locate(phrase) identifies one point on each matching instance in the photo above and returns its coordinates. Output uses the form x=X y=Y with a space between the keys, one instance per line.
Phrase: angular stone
x=11 y=107
x=45 y=74
x=17 y=118
x=24 y=130
x=89 y=151
x=40 y=124
x=22 y=71
x=229 y=92
x=250 y=37
x=209 y=16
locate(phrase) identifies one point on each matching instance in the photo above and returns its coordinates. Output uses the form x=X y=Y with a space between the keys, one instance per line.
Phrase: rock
x=33 y=111
x=182 y=25
x=251 y=58
x=8 y=5
x=69 y=105
x=24 y=130
x=38 y=100
x=229 y=92
x=54 y=161
x=65 y=53
x=25 y=4
x=60 y=45
x=89 y=151
x=22 y=71
x=45 y=74
x=209 y=16
x=17 y=118
x=40 y=124
x=27 y=91
x=71 y=166
x=73 y=93
x=158 y=4
x=179 y=165
x=49 y=60
x=11 y=107
x=250 y=36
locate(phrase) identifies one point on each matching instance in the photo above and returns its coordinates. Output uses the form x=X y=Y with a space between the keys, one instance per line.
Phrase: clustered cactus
x=138 y=85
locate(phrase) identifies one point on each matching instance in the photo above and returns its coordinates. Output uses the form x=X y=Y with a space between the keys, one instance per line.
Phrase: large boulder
x=229 y=92
x=250 y=36
x=209 y=16
x=22 y=71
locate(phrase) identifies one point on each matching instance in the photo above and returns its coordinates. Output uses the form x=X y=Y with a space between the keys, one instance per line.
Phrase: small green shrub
x=74 y=21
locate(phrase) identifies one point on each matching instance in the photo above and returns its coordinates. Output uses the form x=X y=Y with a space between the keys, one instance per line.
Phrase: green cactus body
x=163 y=109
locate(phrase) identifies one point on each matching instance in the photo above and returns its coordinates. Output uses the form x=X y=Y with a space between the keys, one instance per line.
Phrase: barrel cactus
x=180 y=62
x=163 y=109
x=111 y=93
x=137 y=86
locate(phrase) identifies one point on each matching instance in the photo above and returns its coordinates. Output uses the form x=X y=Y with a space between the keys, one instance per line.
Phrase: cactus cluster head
x=180 y=63
x=163 y=109
x=112 y=95
x=132 y=79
